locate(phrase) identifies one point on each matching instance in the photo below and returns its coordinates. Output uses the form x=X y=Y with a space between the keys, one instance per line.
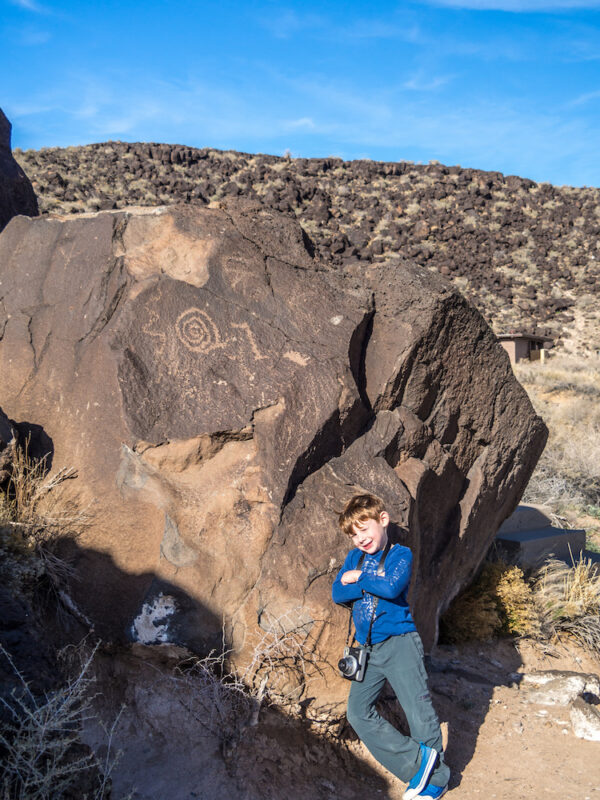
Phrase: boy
x=385 y=628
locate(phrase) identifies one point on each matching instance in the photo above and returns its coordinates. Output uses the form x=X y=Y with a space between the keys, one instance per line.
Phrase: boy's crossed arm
x=350 y=583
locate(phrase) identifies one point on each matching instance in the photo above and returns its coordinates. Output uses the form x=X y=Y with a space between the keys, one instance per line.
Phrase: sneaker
x=419 y=780
x=433 y=791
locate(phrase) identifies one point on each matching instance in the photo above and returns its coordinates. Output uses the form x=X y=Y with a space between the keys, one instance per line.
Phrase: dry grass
x=568 y=601
x=566 y=393
x=31 y=499
x=35 y=513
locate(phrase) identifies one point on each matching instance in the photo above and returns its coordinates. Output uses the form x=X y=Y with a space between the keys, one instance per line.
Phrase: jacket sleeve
x=345 y=595
x=398 y=568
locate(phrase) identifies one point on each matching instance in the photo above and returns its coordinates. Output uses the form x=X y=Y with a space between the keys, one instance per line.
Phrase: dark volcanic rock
x=16 y=192
x=222 y=394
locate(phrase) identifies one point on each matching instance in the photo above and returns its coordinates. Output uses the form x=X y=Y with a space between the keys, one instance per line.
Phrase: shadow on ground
x=173 y=731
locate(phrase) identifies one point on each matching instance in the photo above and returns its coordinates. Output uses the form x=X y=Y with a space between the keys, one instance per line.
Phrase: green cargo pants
x=398 y=660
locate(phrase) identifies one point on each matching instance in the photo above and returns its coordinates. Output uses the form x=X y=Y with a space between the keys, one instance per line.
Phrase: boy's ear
x=384 y=518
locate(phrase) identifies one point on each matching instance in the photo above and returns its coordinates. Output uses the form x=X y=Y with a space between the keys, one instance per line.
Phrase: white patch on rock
x=151 y=626
x=557 y=688
x=336 y=320
x=585 y=720
x=297 y=358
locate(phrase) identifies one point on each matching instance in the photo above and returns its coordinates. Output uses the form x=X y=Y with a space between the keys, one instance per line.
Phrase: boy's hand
x=351 y=576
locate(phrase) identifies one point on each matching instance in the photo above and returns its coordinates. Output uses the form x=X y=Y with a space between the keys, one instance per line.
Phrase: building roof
x=531 y=337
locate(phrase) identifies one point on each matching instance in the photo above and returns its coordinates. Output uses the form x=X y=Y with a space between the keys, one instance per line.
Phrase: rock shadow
x=462 y=681
x=178 y=732
x=38 y=444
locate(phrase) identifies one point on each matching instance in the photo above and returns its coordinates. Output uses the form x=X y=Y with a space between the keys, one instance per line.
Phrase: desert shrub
x=225 y=700
x=30 y=498
x=42 y=755
x=35 y=513
x=212 y=694
x=568 y=600
x=518 y=608
x=500 y=600
x=475 y=613
x=557 y=600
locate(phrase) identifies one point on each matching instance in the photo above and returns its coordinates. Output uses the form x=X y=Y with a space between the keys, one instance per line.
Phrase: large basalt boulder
x=222 y=394
x=16 y=192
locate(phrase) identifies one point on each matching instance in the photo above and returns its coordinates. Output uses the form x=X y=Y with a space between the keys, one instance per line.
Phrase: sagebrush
x=558 y=600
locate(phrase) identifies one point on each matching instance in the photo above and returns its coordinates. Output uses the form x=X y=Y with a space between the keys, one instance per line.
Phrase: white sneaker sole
x=410 y=794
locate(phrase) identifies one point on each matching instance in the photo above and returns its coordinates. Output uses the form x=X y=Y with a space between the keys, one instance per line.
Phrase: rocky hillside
x=525 y=253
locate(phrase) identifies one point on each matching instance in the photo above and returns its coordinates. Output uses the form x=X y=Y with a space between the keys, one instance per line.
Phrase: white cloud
x=305 y=123
x=422 y=83
x=517 y=6
x=287 y=23
x=29 y=5
x=585 y=98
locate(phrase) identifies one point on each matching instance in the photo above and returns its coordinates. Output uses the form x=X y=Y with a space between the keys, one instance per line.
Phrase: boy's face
x=370 y=535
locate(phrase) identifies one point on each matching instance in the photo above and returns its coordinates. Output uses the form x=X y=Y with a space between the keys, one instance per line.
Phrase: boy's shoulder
x=396 y=551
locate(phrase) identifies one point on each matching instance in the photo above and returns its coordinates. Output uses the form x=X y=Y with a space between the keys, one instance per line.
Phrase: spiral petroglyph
x=196 y=331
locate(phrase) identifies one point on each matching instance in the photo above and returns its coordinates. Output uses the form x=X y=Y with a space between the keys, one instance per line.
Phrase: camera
x=353 y=663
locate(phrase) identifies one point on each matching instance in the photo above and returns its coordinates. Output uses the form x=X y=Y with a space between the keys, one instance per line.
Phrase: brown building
x=526 y=346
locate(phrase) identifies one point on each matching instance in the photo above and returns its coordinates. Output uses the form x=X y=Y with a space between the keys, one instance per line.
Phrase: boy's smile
x=370 y=535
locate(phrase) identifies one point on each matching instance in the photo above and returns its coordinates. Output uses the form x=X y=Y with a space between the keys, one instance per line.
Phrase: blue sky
x=508 y=85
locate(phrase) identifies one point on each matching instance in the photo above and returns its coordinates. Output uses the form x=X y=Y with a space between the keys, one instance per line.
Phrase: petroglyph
x=152 y=329
x=196 y=331
x=246 y=328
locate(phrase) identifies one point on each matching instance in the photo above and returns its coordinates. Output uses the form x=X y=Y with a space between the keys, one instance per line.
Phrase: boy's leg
x=398 y=753
x=405 y=670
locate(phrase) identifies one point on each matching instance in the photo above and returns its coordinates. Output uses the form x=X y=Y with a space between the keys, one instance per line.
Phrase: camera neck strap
x=380 y=573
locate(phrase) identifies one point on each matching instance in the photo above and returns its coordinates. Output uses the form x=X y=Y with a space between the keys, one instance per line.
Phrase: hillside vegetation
x=526 y=254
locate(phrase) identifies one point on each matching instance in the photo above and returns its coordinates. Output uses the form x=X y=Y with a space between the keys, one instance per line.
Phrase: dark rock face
x=16 y=192
x=222 y=394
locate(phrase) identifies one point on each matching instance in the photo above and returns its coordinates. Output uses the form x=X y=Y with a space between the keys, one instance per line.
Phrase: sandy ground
x=498 y=744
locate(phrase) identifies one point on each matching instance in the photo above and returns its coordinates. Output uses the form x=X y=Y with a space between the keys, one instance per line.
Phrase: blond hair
x=360 y=508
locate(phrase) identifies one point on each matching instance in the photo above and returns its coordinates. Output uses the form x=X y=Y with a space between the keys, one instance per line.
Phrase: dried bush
x=43 y=757
x=283 y=659
x=225 y=700
x=559 y=599
x=35 y=513
x=475 y=613
x=31 y=500
x=568 y=599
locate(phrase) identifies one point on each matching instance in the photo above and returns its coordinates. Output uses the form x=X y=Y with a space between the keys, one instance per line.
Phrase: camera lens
x=347 y=665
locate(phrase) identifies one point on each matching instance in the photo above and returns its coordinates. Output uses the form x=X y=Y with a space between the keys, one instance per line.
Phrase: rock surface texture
x=16 y=192
x=222 y=393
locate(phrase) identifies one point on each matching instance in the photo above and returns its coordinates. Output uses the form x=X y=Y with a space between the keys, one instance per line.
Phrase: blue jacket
x=392 y=616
